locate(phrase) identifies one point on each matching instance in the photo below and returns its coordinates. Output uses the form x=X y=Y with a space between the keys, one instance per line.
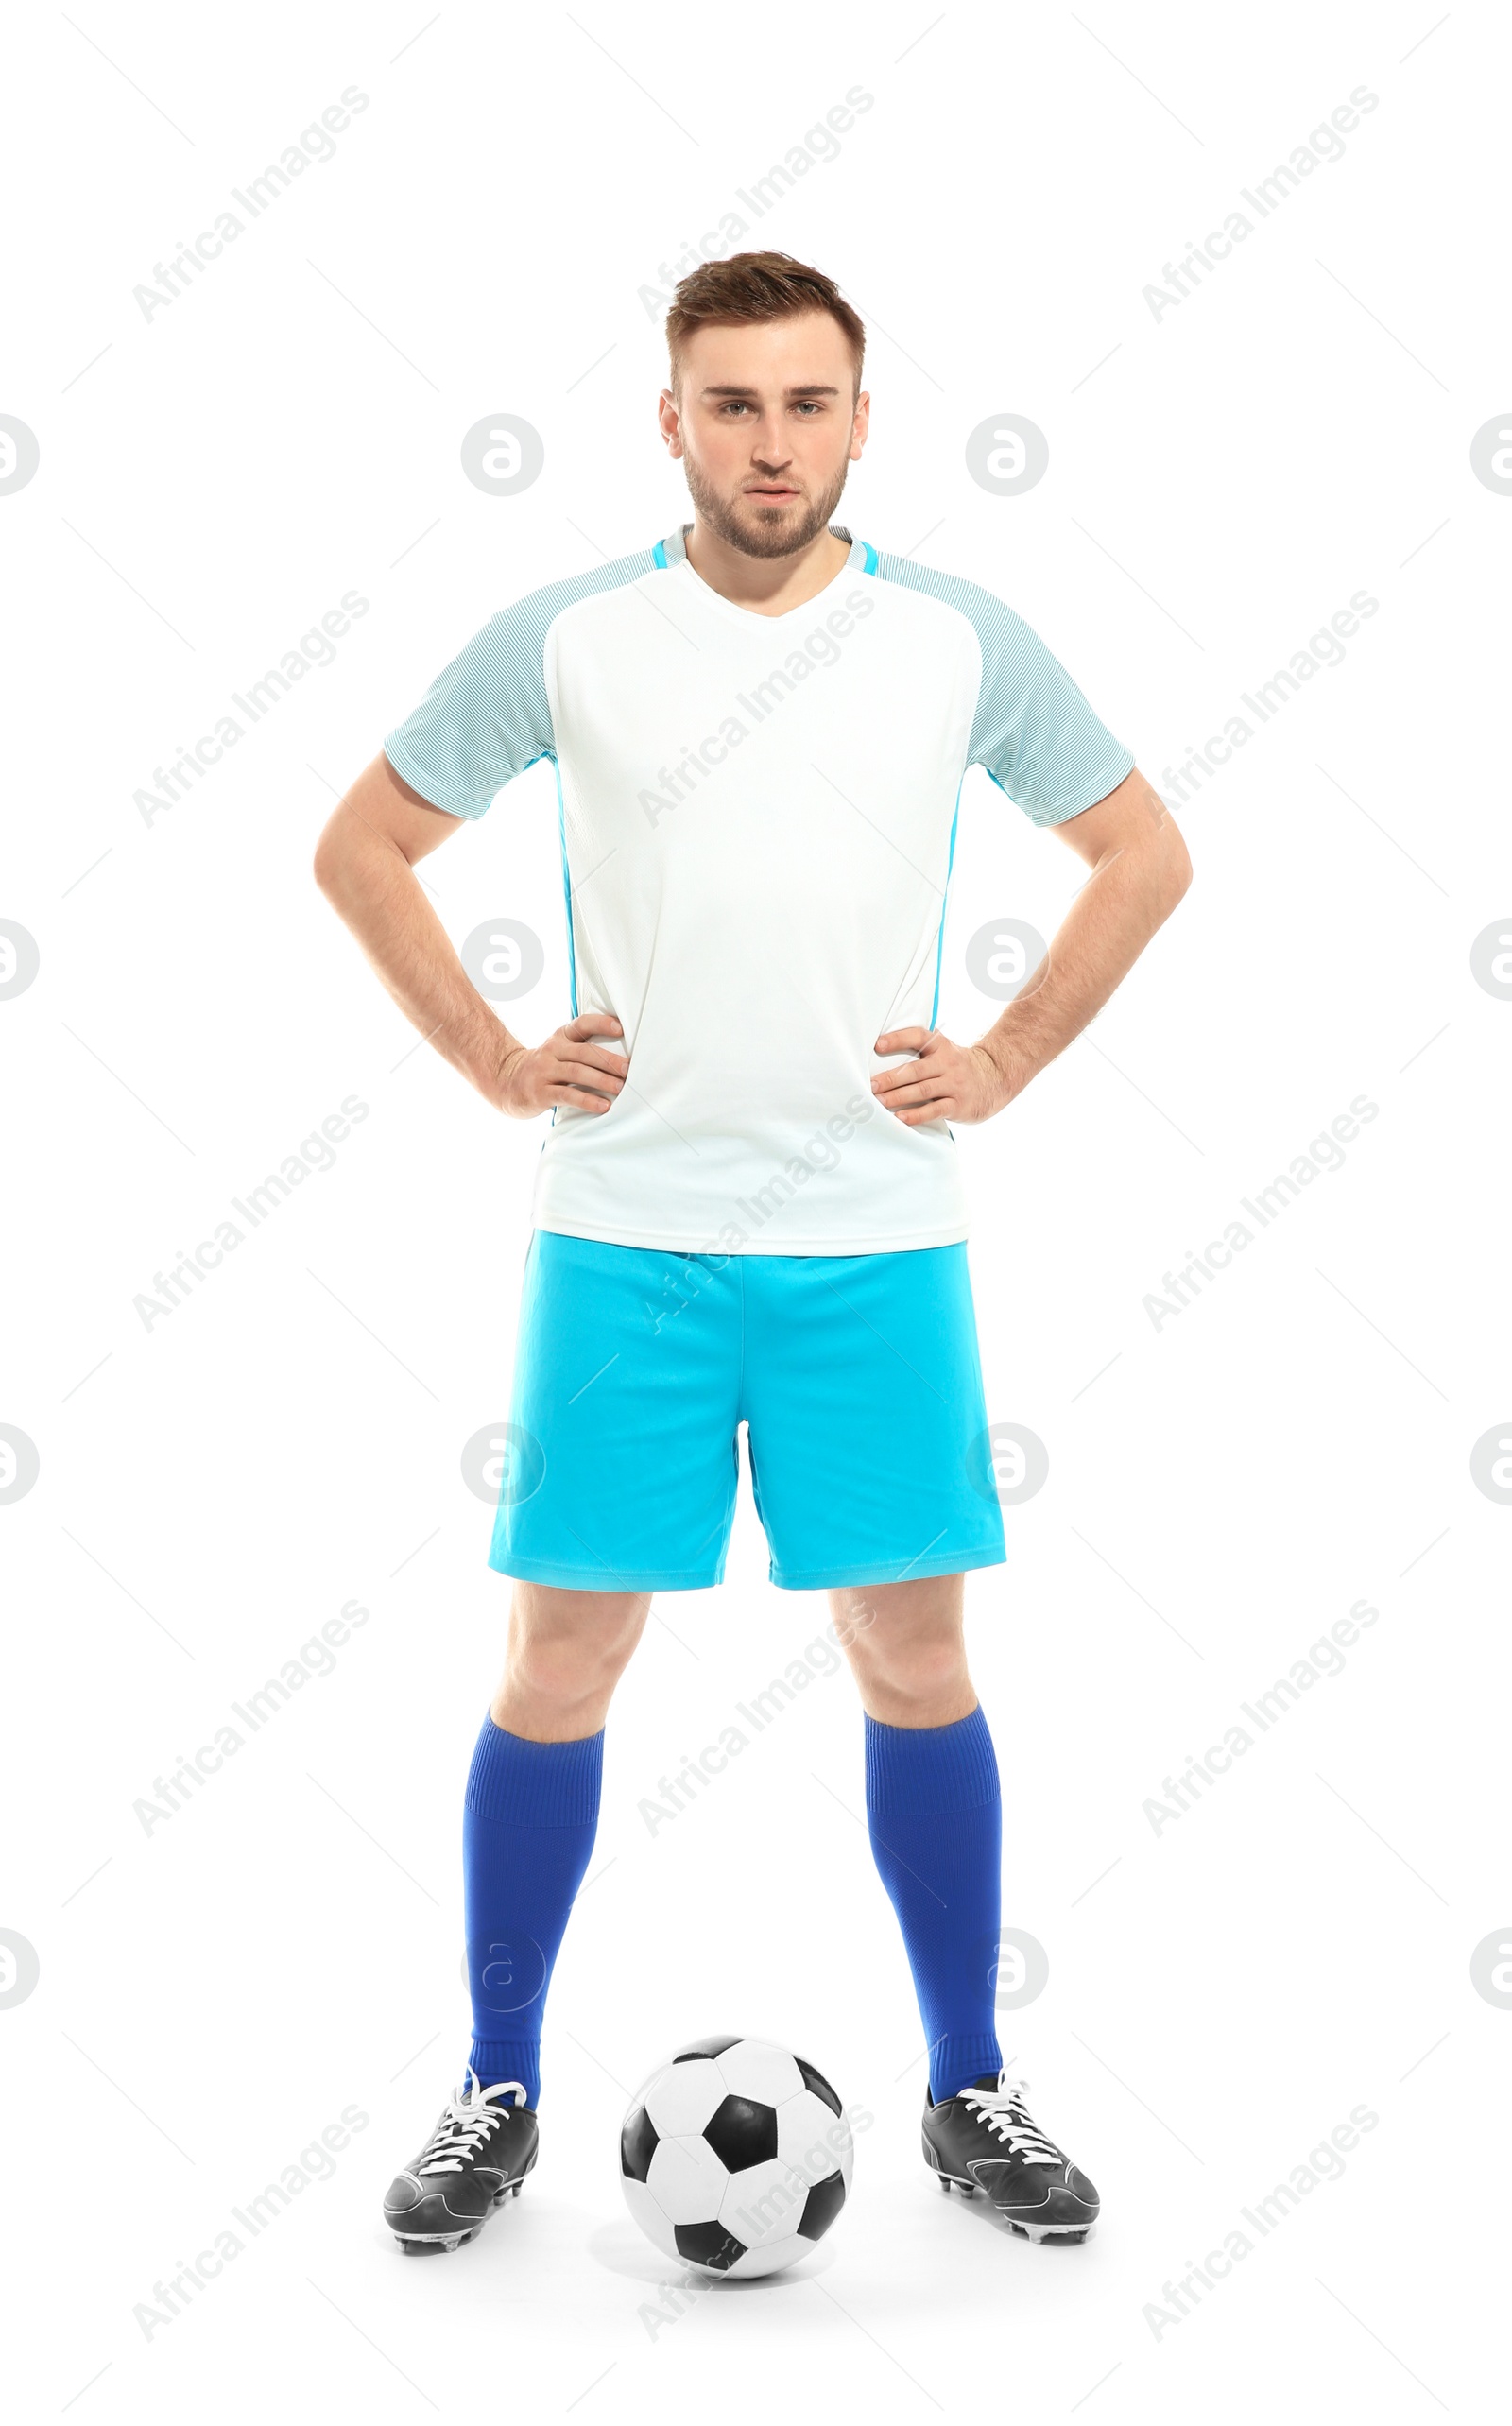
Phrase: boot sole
x=1069 y=2233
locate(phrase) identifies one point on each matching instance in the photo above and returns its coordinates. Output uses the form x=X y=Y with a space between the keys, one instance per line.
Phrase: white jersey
x=756 y=818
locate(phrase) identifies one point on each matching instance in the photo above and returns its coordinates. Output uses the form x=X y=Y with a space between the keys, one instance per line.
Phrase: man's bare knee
x=907 y=1650
x=567 y=1652
x=918 y=1668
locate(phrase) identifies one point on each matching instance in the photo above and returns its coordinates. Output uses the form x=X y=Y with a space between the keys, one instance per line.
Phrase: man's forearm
x=372 y=887
x=1127 y=896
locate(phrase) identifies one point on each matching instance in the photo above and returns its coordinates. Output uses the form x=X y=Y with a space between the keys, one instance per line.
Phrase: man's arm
x=1139 y=871
x=365 y=866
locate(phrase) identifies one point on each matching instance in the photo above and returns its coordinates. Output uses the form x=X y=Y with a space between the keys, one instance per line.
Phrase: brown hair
x=756 y=286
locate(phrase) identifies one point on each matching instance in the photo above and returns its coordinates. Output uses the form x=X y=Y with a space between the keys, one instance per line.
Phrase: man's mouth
x=775 y=492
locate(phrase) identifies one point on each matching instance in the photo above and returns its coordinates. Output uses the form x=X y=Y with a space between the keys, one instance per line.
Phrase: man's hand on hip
x=572 y=1067
x=945 y=1081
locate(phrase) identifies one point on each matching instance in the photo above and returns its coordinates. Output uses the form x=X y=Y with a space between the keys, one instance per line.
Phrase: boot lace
x=470 y=2119
x=1002 y=2111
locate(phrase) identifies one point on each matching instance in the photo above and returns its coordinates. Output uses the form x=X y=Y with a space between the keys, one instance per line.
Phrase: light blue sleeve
x=1033 y=730
x=486 y=717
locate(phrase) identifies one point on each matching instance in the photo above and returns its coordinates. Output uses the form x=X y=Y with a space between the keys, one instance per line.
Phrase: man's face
x=766 y=424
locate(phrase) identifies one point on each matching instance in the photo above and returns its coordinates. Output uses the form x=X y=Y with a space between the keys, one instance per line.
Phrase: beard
x=758 y=529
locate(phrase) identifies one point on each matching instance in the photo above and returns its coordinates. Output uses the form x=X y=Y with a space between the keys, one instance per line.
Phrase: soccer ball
x=736 y=2157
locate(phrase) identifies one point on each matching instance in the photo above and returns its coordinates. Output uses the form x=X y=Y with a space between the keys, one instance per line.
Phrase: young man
x=748 y=1207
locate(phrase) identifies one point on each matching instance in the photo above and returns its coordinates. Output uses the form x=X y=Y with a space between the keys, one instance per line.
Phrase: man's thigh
x=869 y=1437
x=887 y=1620
x=622 y=1462
x=553 y=1623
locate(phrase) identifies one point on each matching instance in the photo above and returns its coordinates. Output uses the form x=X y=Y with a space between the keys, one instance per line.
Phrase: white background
x=1221 y=1490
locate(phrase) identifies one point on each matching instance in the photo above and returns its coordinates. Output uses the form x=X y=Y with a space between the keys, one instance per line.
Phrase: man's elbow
x=1174 y=874
x=336 y=855
x=327 y=864
x=1180 y=876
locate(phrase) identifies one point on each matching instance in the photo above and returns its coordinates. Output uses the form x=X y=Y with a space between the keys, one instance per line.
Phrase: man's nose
x=769 y=449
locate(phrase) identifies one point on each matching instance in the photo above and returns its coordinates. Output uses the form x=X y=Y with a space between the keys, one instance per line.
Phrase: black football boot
x=985 y=2138
x=478 y=2153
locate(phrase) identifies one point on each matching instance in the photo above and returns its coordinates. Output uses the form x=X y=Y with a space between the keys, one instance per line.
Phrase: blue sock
x=935 y=1819
x=528 y=1830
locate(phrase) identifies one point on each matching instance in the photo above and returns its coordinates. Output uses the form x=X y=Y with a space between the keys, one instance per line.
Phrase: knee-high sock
x=528 y=1830
x=936 y=1820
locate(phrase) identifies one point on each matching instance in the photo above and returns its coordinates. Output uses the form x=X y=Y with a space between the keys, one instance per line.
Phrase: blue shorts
x=859 y=1380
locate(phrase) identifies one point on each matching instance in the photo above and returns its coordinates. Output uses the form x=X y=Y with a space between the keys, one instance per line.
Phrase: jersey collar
x=862 y=558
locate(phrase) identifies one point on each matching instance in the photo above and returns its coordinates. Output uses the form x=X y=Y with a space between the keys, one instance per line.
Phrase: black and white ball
x=736 y=2157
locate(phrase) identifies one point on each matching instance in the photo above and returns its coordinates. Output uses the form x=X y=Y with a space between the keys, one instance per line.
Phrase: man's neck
x=767 y=585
